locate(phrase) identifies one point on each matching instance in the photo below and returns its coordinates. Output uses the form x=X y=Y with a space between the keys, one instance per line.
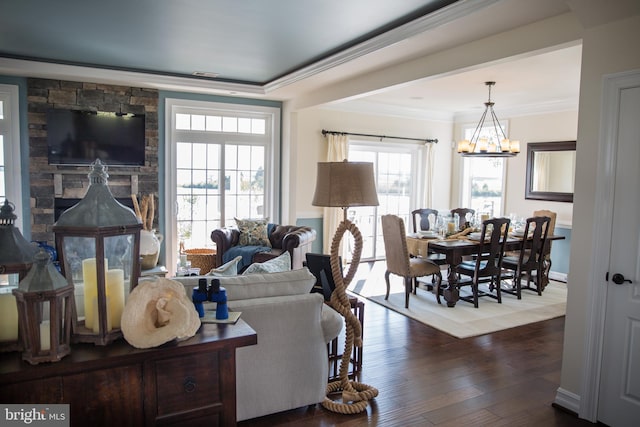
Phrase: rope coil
x=355 y=395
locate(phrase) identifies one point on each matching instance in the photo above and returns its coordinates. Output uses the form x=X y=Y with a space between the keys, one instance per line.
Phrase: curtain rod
x=333 y=132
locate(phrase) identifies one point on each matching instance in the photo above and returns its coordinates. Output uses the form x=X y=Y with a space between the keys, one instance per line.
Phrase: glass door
x=396 y=174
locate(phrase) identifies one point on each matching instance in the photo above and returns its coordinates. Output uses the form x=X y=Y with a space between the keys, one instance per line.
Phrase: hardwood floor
x=428 y=378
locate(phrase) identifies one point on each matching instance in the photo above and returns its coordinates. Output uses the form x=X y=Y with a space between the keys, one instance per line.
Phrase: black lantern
x=98 y=244
x=16 y=257
x=45 y=312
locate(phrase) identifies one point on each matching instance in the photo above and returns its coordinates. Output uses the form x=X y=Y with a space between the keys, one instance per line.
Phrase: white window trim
x=272 y=177
x=10 y=128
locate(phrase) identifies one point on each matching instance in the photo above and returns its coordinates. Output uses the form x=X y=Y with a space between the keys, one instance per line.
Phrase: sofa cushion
x=275 y=265
x=228 y=269
x=331 y=322
x=253 y=232
x=259 y=285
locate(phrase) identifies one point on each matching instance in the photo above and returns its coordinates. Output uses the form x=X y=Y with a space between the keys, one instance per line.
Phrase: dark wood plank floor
x=428 y=378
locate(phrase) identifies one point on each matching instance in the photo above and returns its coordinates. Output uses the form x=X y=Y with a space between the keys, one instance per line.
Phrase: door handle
x=619 y=279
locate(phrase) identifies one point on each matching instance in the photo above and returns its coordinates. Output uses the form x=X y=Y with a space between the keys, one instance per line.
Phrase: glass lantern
x=98 y=244
x=16 y=258
x=45 y=312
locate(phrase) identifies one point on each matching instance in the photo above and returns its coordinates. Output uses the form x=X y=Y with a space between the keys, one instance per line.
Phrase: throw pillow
x=253 y=232
x=228 y=269
x=276 y=265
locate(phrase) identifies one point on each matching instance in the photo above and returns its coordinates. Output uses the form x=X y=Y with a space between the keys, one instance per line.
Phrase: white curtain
x=337 y=151
x=542 y=171
x=428 y=176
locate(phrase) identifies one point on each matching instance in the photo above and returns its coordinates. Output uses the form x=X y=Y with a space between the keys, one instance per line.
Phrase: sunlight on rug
x=463 y=320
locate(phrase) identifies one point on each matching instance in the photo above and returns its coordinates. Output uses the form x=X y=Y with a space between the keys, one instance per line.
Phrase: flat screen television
x=80 y=137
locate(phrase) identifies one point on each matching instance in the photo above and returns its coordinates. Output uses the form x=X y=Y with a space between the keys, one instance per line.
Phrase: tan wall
x=539 y=128
x=311 y=148
x=561 y=126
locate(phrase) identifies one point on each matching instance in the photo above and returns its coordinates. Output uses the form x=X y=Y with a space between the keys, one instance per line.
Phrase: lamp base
x=355 y=395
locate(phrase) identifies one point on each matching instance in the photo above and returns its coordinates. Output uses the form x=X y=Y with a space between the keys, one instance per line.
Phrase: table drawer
x=186 y=383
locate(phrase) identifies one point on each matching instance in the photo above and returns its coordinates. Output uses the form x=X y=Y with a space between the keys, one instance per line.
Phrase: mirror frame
x=534 y=147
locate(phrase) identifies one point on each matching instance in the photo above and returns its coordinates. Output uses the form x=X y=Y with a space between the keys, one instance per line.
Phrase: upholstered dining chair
x=421 y=219
x=487 y=265
x=462 y=214
x=398 y=260
x=530 y=258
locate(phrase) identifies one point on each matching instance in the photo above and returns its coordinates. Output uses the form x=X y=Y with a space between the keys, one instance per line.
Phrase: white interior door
x=619 y=394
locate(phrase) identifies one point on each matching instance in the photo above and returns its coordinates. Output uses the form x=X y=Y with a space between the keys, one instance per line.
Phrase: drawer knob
x=189 y=384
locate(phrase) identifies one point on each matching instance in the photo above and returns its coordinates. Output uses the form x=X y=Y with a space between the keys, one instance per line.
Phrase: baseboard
x=560 y=277
x=567 y=401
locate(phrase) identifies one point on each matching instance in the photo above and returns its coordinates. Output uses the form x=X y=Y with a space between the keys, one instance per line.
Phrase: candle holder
x=98 y=244
x=45 y=310
x=16 y=258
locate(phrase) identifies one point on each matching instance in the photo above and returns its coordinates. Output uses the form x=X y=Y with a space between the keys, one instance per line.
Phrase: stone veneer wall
x=48 y=182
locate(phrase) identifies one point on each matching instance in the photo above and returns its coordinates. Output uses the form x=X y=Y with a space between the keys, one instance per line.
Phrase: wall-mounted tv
x=80 y=137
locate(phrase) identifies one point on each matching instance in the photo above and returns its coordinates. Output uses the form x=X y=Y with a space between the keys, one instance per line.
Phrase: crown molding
x=48 y=70
x=420 y=25
x=378 y=109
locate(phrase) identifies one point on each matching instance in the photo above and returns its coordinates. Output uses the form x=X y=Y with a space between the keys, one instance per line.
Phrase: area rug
x=463 y=320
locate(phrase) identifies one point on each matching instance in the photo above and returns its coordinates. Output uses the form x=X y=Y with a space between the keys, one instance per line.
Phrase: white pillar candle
x=90 y=279
x=45 y=336
x=115 y=295
x=8 y=317
x=95 y=323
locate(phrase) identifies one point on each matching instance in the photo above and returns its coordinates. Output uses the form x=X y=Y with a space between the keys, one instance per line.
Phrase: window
x=222 y=163
x=397 y=182
x=483 y=179
x=10 y=172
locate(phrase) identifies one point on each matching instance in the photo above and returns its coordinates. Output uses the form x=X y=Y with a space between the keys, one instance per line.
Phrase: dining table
x=454 y=249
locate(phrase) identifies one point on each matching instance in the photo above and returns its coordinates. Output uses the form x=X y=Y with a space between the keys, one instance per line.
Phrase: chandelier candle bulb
x=463 y=146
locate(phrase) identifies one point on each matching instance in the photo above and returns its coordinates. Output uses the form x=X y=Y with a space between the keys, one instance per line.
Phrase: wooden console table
x=188 y=383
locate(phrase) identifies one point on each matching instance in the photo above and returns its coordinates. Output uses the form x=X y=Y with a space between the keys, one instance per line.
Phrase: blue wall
x=316 y=224
x=560 y=251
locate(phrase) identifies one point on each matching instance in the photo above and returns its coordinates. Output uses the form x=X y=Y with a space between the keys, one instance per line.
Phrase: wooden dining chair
x=530 y=259
x=547 y=249
x=425 y=216
x=462 y=213
x=487 y=265
x=398 y=260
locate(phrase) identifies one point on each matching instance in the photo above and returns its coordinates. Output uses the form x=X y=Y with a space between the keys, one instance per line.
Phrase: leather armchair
x=296 y=240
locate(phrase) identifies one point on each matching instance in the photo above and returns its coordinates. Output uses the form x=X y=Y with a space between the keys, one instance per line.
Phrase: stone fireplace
x=55 y=187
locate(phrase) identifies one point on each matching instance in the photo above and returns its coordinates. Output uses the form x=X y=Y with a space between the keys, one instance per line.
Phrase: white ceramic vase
x=149 y=248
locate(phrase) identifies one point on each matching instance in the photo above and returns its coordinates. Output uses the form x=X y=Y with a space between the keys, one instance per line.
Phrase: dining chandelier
x=495 y=145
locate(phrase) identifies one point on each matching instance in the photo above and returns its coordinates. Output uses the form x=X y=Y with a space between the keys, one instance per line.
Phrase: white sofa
x=288 y=368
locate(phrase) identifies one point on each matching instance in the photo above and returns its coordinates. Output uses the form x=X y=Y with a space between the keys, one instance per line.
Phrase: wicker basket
x=204 y=259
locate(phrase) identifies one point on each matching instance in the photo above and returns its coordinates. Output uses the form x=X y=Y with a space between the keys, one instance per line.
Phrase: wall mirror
x=551 y=170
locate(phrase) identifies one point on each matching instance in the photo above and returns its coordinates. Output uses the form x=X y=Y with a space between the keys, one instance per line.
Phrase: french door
x=398 y=182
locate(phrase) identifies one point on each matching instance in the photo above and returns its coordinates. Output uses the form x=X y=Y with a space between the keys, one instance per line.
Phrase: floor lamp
x=346 y=184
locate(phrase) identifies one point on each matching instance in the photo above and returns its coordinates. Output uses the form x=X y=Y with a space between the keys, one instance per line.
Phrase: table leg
x=451 y=293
